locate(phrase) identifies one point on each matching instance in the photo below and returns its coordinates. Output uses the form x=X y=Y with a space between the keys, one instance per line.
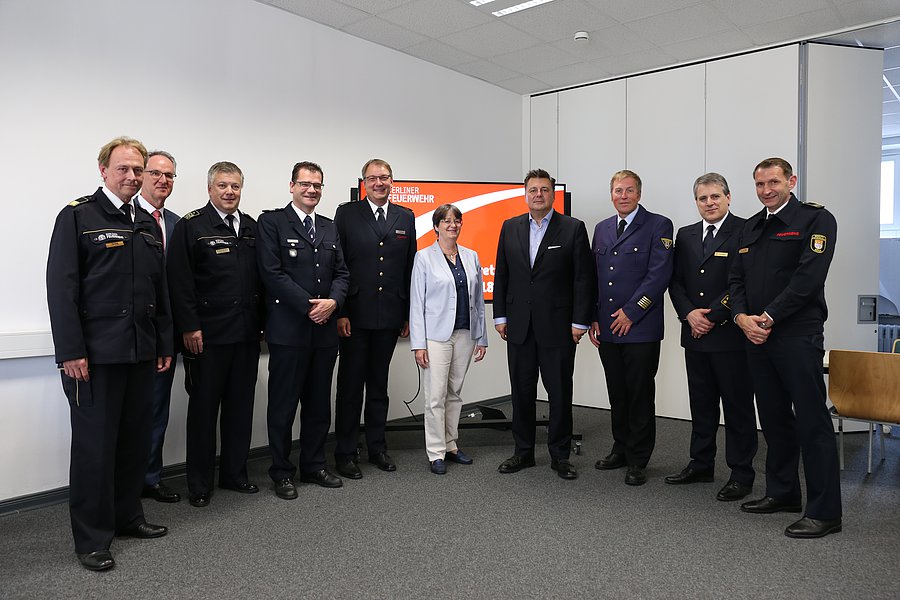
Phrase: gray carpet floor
x=475 y=533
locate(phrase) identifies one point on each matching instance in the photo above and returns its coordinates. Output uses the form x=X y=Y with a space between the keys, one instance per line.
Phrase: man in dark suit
x=379 y=243
x=305 y=278
x=217 y=307
x=632 y=250
x=777 y=291
x=713 y=345
x=159 y=181
x=109 y=312
x=544 y=289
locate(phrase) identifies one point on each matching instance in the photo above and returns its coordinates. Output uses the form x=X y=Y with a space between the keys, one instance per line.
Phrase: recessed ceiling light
x=518 y=7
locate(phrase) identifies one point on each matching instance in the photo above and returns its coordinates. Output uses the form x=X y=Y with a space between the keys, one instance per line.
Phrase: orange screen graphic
x=484 y=207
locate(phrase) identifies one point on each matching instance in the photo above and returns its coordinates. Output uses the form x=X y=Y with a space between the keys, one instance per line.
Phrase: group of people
x=130 y=284
x=750 y=295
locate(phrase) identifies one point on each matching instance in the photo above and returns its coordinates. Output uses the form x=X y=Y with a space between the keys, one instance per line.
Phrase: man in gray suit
x=159 y=181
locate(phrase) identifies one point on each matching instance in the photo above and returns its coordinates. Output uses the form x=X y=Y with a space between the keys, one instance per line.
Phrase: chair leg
x=881 y=436
x=871 y=430
x=841 y=441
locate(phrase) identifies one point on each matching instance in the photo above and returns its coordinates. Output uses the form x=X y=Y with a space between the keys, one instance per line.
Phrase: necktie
x=126 y=210
x=158 y=216
x=708 y=240
x=621 y=228
x=230 y=222
x=379 y=220
x=310 y=230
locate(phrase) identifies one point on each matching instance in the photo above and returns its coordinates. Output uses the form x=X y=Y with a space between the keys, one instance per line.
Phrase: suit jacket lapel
x=549 y=237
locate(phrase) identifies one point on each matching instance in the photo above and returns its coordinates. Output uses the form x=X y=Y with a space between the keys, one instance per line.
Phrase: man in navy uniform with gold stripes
x=633 y=254
x=714 y=354
x=778 y=300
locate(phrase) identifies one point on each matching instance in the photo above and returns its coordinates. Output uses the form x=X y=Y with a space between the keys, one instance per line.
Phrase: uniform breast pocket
x=785 y=251
x=636 y=258
x=153 y=245
x=326 y=254
x=291 y=251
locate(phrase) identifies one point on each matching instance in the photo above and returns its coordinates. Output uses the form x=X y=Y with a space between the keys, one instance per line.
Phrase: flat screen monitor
x=484 y=206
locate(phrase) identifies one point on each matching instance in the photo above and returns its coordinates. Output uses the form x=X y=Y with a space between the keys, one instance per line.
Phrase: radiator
x=886 y=336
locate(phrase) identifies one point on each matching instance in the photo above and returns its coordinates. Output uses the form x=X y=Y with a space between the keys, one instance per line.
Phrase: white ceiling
x=534 y=50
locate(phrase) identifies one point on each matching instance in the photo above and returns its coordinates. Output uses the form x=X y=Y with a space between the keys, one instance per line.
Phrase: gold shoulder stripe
x=192 y=214
x=81 y=200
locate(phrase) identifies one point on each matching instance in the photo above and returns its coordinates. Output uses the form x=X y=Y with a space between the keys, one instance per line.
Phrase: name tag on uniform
x=722 y=254
x=114 y=244
x=223 y=250
x=743 y=250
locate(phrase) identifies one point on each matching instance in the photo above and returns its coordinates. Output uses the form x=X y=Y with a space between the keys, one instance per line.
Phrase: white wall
x=726 y=116
x=208 y=80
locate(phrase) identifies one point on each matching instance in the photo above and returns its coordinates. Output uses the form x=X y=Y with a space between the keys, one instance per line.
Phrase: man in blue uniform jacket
x=633 y=255
x=305 y=278
x=778 y=300
x=109 y=312
x=714 y=353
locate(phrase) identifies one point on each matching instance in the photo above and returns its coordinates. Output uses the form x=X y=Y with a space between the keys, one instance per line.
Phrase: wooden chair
x=864 y=386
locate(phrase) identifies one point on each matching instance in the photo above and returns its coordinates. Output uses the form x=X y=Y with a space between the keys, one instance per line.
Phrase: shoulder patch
x=192 y=214
x=666 y=242
x=817 y=243
x=81 y=200
x=812 y=205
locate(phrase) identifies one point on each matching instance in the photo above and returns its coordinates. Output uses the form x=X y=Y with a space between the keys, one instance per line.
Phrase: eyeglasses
x=449 y=222
x=157 y=174
x=374 y=178
x=305 y=185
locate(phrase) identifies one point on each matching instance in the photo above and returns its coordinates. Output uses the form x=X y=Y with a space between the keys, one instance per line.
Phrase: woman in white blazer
x=446 y=329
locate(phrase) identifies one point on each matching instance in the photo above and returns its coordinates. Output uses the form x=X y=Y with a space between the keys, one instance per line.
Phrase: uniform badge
x=223 y=250
x=666 y=242
x=817 y=243
x=721 y=254
x=725 y=302
x=743 y=250
x=292 y=253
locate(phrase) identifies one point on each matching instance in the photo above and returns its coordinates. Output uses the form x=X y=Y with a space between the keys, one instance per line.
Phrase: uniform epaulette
x=81 y=200
x=812 y=205
x=192 y=214
x=409 y=210
x=324 y=218
x=268 y=210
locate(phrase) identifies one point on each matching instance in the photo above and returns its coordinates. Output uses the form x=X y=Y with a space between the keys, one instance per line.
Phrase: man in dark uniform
x=303 y=270
x=633 y=255
x=543 y=293
x=379 y=243
x=713 y=345
x=109 y=312
x=159 y=181
x=217 y=307
x=778 y=300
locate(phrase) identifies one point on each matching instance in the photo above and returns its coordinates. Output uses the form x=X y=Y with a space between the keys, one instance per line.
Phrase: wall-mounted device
x=866 y=309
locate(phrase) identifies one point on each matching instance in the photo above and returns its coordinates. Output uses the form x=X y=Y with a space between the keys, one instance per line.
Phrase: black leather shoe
x=160 y=493
x=516 y=463
x=564 y=468
x=812 y=528
x=635 y=476
x=97 y=561
x=734 y=490
x=459 y=457
x=284 y=489
x=689 y=475
x=199 y=500
x=766 y=505
x=323 y=478
x=383 y=461
x=613 y=460
x=144 y=531
x=243 y=488
x=347 y=468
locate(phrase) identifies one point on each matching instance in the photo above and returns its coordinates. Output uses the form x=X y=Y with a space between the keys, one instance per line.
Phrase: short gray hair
x=712 y=179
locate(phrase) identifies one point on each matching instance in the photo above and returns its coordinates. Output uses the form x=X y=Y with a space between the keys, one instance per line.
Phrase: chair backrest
x=896 y=347
x=865 y=385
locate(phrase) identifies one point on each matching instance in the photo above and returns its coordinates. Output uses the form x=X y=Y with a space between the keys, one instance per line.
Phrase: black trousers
x=222 y=376
x=556 y=365
x=711 y=376
x=365 y=362
x=162 y=396
x=299 y=376
x=630 y=371
x=110 y=417
x=790 y=395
